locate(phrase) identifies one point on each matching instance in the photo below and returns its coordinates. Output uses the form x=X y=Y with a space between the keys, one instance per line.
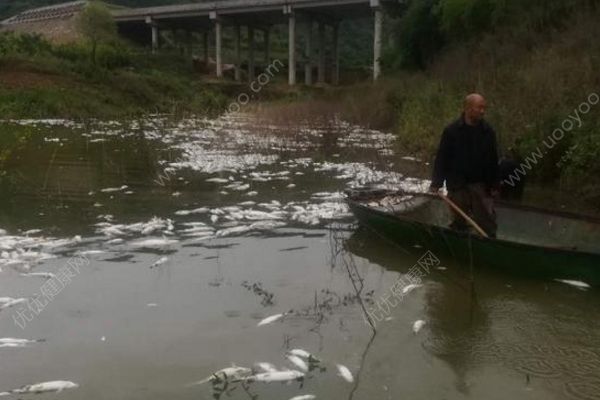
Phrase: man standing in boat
x=467 y=161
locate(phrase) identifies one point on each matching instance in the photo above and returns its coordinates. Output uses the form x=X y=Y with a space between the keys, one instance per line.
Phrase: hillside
x=537 y=62
x=9 y=8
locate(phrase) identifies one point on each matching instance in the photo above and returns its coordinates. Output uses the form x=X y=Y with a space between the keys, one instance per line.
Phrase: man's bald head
x=474 y=108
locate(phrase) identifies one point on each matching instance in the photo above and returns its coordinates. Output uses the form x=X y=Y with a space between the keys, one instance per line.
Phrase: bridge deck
x=240 y=8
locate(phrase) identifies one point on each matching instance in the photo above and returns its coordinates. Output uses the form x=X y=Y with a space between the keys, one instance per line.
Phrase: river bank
x=542 y=87
x=181 y=237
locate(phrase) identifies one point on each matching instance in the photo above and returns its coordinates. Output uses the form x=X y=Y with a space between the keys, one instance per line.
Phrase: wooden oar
x=464 y=215
x=452 y=205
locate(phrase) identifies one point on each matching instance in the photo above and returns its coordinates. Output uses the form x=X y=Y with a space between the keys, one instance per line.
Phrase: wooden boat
x=532 y=242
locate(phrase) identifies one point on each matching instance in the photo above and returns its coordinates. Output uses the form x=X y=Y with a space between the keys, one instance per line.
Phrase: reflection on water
x=540 y=339
x=196 y=231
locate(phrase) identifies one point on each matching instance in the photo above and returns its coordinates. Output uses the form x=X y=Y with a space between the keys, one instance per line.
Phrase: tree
x=97 y=25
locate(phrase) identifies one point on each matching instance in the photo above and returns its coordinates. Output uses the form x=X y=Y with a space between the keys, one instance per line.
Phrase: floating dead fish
x=233 y=230
x=200 y=235
x=304 y=397
x=14 y=342
x=201 y=210
x=414 y=159
x=113 y=189
x=266 y=225
x=298 y=362
x=154 y=243
x=577 y=284
x=345 y=373
x=112 y=231
x=276 y=376
x=238 y=186
x=44 y=387
x=418 y=325
x=6 y=302
x=271 y=319
x=217 y=180
x=44 y=275
x=302 y=353
x=90 y=252
x=233 y=373
x=409 y=288
x=197 y=229
x=31 y=232
x=148 y=230
x=266 y=367
x=160 y=261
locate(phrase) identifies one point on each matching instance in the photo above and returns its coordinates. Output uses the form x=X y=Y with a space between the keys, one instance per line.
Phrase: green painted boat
x=531 y=242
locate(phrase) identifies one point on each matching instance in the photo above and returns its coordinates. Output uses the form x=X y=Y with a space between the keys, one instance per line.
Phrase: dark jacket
x=467 y=154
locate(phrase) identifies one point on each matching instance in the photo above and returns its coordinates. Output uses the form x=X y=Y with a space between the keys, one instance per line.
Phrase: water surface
x=251 y=220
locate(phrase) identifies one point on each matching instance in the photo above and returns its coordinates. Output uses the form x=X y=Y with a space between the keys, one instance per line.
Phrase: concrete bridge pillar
x=308 y=66
x=155 y=43
x=205 y=48
x=218 y=43
x=189 y=45
x=287 y=9
x=335 y=76
x=238 y=53
x=321 y=72
x=251 y=68
x=267 y=33
x=155 y=38
x=377 y=38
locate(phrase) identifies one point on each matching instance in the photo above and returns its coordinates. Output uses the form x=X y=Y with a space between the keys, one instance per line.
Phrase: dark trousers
x=475 y=201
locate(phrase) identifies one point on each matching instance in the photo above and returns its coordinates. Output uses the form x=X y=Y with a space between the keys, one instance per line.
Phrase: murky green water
x=181 y=237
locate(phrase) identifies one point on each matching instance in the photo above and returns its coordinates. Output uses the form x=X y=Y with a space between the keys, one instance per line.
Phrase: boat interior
x=516 y=223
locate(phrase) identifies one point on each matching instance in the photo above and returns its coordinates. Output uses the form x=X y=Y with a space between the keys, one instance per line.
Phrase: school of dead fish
x=29 y=250
x=265 y=372
x=237 y=172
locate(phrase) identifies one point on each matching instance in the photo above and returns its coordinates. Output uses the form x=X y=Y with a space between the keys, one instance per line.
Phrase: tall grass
x=533 y=80
x=124 y=81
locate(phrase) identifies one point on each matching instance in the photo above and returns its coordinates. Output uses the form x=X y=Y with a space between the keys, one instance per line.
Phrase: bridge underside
x=143 y=25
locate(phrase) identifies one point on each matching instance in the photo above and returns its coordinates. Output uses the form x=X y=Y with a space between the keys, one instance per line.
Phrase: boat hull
x=515 y=258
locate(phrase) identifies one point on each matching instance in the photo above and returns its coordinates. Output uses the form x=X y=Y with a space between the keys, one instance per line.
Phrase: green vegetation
x=9 y=8
x=536 y=62
x=40 y=79
x=97 y=26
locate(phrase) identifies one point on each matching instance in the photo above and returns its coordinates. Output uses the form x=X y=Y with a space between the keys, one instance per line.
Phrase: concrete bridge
x=207 y=16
